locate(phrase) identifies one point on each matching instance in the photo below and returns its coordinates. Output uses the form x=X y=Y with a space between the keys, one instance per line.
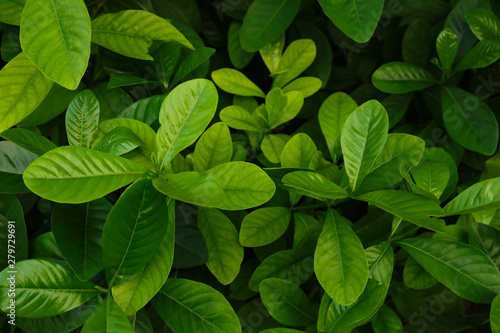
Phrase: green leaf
x=431 y=177
x=387 y=321
x=29 y=140
x=11 y=210
x=408 y=206
x=416 y=277
x=132 y=32
x=77 y=230
x=55 y=35
x=286 y=302
x=118 y=141
x=139 y=215
x=281 y=108
x=272 y=146
x=298 y=56
x=469 y=120
x=111 y=101
x=124 y=80
x=400 y=78
x=189 y=306
x=44 y=288
x=263 y=226
x=481 y=55
x=245 y=185
x=146 y=110
x=333 y=113
x=314 y=185
x=271 y=53
x=13 y=162
x=417 y=43
x=308 y=86
x=239 y=57
x=480 y=196
x=340 y=261
x=484 y=23
x=109 y=318
x=307 y=231
x=134 y=292
x=165 y=61
x=235 y=82
x=213 y=148
x=357 y=19
x=487 y=239
x=191 y=62
x=463 y=269
x=447 y=47
x=495 y=314
x=11 y=11
x=225 y=254
x=294 y=265
x=298 y=152
x=265 y=21
x=77 y=174
x=239 y=118
x=23 y=88
x=192 y=187
x=184 y=115
x=362 y=139
x=82 y=119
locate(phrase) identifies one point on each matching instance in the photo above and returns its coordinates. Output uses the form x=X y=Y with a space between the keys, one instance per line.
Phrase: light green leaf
x=299 y=55
x=23 y=88
x=387 y=321
x=184 y=115
x=447 y=47
x=82 y=119
x=340 y=261
x=146 y=110
x=225 y=254
x=298 y=152
x=134 y=292
x=139 y=215
x=362 y=139
x=480 y=196
x=271 y=53
x=484 y=23
x=308 y=86
x=416 y=277
x=307 y=231
x=239 y=57
x=245 y=185
x=407 y=205
x=109 y=318
x=44 y=288
x=77 y=174
x=357 y=19
x=11 y=11
x=463 y=269
x=13 y=162
x=29 y=140
x=213 y=148
x=191 y=62
x=263 y=226
x=55 y=35
x=235 y=82
x=118 y=141
x=132 y=32
x=272 y=146
x=314 y=185
x=189 y=306
x=332 y=115
x=400 y=78
x=481 y=55
x=266 y=20
x=281 y=108
x=469 y=120
x=239 y=118
x=431 y=177
x=286 y=302
x=77 y=230
x=192 y=187
x=495 y=314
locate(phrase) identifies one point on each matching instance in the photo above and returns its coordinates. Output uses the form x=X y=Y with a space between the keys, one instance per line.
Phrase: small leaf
x=484 y=23
x=109 y=318
x=481 y=55
x=387 y=321
x=400 y=78
x=298 y=56
x=271 y=53
x=263 y=226
x=239 y=57
x=447 y=47
x=308 y=86
x=235 y=82
x=314 y=185
x=480 y=196
x=272 y=146
x=29 y=140
x=124 y=80
x=118 y=141
x=213 y=148
x=82 y=119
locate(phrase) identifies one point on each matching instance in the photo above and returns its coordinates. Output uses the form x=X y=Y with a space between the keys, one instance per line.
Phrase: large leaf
x=462 y=268
x=357 y=19
x=483 y=23
x=265 y=21
x=298 y=152
x=13 y=162
x=29 y=140
x=213 y=148
x=225 y=254
x=263 y=226
x=23 y=88
x=11 y=11
x=109 y=318
x=184 y=115
x=407 y=205
x=134 y=230
x=132 y=32
x=480 y=196
x=235 y=82
x=134 y=292
x=481 y=55
x=340 y=261
x=286 y=302
x=82 y=119
x=44 y=288
x=77 y=230
x=314 y=185
x=332 y=115
x=188 y=306
x=298 y=56
x=362 y=139
x=55 y=35
x=245 y=185
x=400 y=78
x=77 y=175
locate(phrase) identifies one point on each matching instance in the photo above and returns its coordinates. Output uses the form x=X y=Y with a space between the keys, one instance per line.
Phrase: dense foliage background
x=271 y=166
